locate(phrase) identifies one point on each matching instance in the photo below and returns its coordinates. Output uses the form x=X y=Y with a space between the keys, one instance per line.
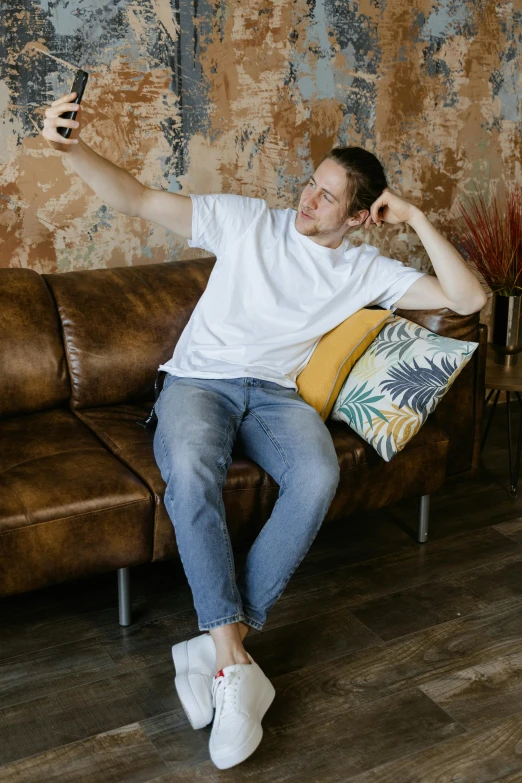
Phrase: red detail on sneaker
x=219 y=674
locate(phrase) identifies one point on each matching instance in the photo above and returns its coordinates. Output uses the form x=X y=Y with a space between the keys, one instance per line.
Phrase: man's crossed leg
x=198 y=422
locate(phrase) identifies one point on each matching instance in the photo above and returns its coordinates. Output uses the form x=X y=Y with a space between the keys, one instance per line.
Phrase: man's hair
x=365 y=177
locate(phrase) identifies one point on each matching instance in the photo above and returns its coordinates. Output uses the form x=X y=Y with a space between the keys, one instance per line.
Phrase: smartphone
x=80 y=80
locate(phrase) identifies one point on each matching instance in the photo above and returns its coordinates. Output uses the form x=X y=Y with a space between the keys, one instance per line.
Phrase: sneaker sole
x=190 y=704
x=250 y=745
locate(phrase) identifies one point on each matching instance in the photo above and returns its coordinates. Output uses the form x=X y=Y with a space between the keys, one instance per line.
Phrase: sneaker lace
x=225 y=689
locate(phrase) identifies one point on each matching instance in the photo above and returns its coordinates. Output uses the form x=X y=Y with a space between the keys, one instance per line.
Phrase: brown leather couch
x=80 y=492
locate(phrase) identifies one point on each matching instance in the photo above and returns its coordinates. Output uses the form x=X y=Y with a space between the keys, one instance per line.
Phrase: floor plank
x=511 y=529
x=481 y=694
x=318 y=639
x=470 y=591
x=79 y=713
x=490 y=756
x=124 y=755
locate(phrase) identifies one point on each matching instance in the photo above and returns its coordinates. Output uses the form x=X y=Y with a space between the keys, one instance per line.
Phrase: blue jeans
x=199 y=420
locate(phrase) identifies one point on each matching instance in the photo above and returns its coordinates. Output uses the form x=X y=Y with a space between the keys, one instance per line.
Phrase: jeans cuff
x=250 y=619
x=253 y=623
x=236 y=618
x=233 y=618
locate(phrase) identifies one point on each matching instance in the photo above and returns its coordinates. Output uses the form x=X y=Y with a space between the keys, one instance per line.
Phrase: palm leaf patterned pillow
x=398 y=381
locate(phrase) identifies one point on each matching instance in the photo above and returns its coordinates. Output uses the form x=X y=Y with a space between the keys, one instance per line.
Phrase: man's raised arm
x=113 y=185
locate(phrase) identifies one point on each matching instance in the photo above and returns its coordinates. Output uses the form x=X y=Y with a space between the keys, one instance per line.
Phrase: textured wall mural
x=208 y=96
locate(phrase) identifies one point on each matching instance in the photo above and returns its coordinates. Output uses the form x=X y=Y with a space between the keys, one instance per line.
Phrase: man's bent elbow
x=472 y=306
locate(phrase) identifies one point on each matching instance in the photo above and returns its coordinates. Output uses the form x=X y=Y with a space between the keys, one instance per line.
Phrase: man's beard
x=313 y=231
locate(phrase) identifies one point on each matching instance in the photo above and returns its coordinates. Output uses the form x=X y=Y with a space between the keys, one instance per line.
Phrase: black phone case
x=80 y=81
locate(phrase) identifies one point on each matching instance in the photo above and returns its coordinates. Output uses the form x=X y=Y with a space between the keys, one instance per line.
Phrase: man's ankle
x=230 y=658
x=243 y=630
x=229 y=645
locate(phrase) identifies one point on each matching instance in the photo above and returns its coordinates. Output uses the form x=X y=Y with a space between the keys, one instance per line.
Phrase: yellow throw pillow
x=320 y=382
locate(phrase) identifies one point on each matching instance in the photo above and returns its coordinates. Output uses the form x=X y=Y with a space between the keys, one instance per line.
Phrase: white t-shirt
x=273 y=293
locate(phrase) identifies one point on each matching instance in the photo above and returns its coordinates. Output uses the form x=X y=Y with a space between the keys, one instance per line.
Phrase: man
x=282 y=279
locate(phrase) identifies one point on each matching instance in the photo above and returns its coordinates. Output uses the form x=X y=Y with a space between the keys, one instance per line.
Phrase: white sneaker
x=241 y=694
x=195 y=664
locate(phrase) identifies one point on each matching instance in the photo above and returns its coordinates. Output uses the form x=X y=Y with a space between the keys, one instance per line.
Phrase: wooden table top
x=500 y=377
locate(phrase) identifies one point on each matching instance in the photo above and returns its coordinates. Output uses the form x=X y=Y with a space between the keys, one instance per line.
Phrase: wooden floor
x=393 y=662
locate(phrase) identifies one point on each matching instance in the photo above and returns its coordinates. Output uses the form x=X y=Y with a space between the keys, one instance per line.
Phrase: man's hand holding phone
x=115 y=186
x=62 y=132
x=54 y=120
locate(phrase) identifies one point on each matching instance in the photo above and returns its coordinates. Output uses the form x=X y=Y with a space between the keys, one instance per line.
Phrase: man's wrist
x=74 y=151
x=75 y=148
x=417 y=216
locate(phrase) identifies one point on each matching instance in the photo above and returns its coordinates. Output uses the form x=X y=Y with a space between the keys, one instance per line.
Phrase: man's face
x=322 y=206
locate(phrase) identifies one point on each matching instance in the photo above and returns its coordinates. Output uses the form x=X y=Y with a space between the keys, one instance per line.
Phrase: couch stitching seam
x=46 y=456
x=72 y=516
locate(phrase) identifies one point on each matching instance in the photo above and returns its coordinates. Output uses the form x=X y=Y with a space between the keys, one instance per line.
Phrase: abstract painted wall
x=246 y=97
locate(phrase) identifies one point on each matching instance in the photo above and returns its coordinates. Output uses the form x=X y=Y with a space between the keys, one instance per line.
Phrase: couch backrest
x=119 y=324
x=33 y=370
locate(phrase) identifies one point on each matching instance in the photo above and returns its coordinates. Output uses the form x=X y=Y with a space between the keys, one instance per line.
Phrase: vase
x=506 y=329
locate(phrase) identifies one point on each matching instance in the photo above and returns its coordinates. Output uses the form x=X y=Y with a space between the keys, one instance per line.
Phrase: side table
x=509 y=379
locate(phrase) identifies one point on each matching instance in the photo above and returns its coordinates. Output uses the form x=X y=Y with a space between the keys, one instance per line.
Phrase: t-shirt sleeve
x=387 y=280
x=219 y=220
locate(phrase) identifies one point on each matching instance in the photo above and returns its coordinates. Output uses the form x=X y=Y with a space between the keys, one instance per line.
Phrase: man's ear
x=360 y=217
x=364 y=214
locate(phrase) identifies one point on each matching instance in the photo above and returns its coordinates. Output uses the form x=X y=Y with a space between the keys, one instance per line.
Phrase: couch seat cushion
x=367 y=481
x=68 y=507
x=116 y=427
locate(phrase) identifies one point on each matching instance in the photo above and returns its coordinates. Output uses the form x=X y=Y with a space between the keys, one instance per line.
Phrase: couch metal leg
x=424 y=517
x=124 y=599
